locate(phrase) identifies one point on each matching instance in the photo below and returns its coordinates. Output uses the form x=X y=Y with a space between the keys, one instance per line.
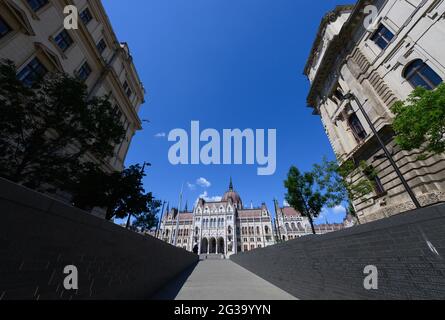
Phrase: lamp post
x=350 y=96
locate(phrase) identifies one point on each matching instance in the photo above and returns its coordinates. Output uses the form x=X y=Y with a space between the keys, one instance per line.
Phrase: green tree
x=339 y=187
x=304 y=195
x=121 y=193
x=48 y=130
x=420 y=121
x=149 y=220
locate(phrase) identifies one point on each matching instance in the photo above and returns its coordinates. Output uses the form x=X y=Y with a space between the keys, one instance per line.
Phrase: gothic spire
x=231 y=185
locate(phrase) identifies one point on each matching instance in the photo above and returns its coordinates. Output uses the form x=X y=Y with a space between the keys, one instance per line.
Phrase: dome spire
x=231 y=185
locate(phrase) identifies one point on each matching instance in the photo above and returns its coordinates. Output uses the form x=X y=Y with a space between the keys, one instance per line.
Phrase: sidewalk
x=225 y=280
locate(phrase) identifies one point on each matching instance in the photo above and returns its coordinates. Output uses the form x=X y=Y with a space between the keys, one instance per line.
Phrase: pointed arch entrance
x=221 y=249
x=212 y=246
x=204 y=246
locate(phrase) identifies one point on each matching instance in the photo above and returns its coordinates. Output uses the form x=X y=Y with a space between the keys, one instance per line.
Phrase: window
x=266 y=229
x=376 y=182
x=127 y=89
x=382 y=37
x=258 y=230
x=85 y=16
x=4 y=28
x=246 y=248
x=357 y=128
x=84 y=71
x=419 y=74
x=63 y=40
x=37 y=4
x=101 y=45
x=338 y=94
x=33 y=72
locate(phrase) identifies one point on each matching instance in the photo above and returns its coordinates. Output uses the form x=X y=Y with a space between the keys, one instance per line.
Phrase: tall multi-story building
x=32 y=34
x=221 y=227
x=376 y=61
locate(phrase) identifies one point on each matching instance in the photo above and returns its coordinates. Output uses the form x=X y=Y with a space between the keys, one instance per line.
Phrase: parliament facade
x=226 y=227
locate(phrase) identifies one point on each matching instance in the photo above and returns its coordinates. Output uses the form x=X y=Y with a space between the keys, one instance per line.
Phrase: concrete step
x=211 y=257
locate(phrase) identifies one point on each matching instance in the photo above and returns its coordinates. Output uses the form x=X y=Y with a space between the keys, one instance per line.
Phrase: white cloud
x=160 y=135
x=206 y=197
x=339 y=210
x=191 y=186
x=203 y=182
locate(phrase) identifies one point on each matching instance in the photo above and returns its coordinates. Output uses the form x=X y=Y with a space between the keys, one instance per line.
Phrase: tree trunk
x=109 y=214
x=128 y=221
x=312 y=223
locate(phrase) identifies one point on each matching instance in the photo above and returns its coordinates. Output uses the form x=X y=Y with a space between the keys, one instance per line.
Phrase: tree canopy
x=420 y=121
x=50 y=130
x=122 y=193
x=304 y=195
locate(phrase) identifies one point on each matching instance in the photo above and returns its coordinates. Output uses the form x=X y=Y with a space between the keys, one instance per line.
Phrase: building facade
x=225 y=227
x=290 y=224
x=379 y=61
x=33 y=36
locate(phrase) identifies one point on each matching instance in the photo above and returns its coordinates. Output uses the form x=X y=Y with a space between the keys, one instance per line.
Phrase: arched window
x=266 y=229
x=357 y=128
x=419 y=74
x=196 y=230
x=258 y=230
x=229 y=230
x=300 y=227
x=294 y=228
x=288 y=227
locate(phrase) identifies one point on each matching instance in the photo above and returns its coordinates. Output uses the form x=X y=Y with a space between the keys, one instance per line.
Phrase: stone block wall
x=40 y=236
x=408 y=251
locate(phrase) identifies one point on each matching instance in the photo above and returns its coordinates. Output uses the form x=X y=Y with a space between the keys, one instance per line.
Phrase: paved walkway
x=222 y=280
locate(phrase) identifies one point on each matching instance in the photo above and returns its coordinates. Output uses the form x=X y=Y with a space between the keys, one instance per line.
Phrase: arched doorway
x=212 y=246
x=204 y=246
x=221 y=249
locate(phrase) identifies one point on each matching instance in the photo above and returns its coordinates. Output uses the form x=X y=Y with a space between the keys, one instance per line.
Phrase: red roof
x=290 y=212
x=250 y=213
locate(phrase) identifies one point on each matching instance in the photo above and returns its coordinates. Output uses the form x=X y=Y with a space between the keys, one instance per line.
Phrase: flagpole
x=160 y=220
x=179 y=211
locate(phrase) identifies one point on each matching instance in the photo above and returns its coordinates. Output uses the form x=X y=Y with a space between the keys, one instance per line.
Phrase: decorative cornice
x=338 y=48
x=328 y=18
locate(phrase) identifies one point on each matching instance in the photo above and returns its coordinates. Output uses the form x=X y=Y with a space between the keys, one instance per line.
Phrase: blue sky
x=228 y=64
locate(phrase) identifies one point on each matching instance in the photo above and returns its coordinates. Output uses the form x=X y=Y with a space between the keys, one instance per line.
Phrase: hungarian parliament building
x=225 y=227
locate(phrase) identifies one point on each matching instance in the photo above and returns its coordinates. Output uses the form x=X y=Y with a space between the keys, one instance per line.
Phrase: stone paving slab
x=225 y=280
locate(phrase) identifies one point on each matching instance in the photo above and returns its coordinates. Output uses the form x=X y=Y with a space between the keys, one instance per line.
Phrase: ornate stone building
x=32 y=34
x=379 y=64
x=223 y=227
x=290 y=224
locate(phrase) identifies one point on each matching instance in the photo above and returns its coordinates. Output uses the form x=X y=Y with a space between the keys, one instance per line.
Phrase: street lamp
x=351 y=96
